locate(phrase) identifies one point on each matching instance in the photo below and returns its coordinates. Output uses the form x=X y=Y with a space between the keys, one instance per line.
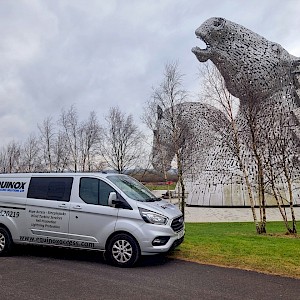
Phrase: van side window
x=89 y=190
x=94 y=191
x=105 y=190
x=50 y=188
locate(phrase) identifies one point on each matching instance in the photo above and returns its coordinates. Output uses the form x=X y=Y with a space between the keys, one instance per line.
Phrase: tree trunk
x=181 y=184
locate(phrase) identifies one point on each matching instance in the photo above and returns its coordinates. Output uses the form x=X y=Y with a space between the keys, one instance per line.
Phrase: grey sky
x=99 y=53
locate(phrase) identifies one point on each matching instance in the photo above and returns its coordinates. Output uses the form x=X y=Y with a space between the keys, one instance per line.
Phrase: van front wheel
x=5 y=241
x=123 y=251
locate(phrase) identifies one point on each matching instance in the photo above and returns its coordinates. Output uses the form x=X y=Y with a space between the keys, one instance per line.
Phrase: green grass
x=237 y=245
x=160 y=187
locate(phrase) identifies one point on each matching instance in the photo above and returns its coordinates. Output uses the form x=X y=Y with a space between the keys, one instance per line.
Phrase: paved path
x=210 y=214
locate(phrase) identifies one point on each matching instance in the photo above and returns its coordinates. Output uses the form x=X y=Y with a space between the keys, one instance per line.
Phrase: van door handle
x=77 y=207
x=62 y=205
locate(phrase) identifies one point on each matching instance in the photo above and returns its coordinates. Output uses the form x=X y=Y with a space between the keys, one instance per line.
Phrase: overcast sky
x=102 y=53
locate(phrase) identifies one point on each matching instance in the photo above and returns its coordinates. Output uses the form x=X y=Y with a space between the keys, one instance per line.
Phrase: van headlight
x=152 y=217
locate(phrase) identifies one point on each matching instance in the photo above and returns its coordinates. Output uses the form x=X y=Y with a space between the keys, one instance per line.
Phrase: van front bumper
x=175 y=239
x=176 y=243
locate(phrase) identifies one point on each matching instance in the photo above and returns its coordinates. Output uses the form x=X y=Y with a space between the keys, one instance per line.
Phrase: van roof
x=26 y=175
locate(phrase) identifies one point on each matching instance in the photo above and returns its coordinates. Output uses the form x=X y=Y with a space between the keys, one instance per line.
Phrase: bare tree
x=214 y=90
x=122 y=142
x=30 y=158
x=62 y=145
x=47 y=140
x=70 y=125
x=3 y=160
x=252 y=131
x=167 y=97
x=13 y=155
x=153 y=112
x=89 y=139
x=61 y=153
x=265 y=150
x=268 y=137
x=282 y=164
x=71 y=145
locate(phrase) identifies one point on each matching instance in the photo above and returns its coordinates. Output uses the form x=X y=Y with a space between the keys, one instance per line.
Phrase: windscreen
x=132 y=188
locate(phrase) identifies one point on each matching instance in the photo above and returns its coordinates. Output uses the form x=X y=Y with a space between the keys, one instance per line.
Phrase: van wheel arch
x=6 y=241
x=130 y=241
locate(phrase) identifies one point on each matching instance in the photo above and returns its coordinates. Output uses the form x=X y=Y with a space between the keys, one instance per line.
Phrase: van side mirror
x=117 y=201
x=112 y=198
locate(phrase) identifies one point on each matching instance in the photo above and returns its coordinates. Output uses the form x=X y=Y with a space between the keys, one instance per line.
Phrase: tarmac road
x=53 y=273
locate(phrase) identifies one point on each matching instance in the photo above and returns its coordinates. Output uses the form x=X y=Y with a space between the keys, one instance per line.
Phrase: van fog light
x=160 y=240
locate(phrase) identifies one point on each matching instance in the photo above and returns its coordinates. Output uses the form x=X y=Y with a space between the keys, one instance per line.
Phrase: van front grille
x=177 y=224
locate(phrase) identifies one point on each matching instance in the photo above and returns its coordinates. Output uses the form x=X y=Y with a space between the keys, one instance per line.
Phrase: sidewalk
x=209 y=214
x=231 y=214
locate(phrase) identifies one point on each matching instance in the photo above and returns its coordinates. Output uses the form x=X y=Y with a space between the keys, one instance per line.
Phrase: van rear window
x=50 y=188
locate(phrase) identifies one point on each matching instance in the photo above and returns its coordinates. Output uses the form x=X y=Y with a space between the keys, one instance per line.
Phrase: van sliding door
x=48 y=210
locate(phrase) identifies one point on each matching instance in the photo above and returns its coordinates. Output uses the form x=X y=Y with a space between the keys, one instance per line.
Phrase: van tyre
x=122 y=250
x=5 y=241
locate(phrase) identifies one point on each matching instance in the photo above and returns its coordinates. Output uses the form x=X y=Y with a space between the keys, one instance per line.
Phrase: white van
x=108 y=212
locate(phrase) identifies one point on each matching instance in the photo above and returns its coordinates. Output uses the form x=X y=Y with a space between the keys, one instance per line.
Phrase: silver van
x=107 y=212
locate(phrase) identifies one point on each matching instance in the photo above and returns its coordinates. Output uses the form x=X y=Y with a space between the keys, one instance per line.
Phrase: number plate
x=180 y=234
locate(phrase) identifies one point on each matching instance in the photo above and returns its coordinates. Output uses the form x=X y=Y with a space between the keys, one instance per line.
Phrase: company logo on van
x=10 y=186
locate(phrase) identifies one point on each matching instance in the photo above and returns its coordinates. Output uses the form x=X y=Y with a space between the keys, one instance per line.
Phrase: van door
x=48 y=210
x=91 y=219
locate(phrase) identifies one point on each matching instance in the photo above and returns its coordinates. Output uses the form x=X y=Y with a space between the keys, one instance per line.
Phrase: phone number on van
x=9 y=213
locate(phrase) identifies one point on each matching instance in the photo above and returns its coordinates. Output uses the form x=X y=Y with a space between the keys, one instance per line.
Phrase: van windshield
x=133 y=188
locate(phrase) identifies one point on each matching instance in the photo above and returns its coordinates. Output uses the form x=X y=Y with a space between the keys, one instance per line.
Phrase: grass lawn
x=160 y=187
x=237 y=245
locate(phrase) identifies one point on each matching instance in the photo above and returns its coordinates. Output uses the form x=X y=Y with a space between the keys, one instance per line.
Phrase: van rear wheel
x=5 y=241
x=122 y=250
